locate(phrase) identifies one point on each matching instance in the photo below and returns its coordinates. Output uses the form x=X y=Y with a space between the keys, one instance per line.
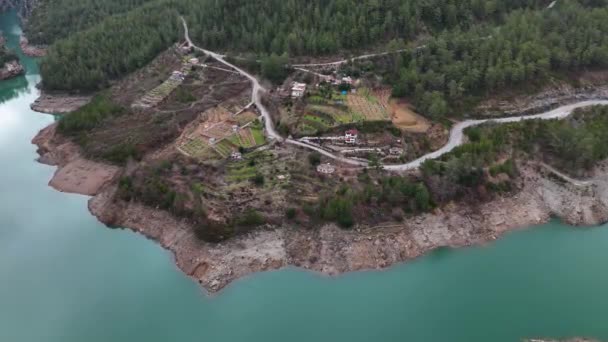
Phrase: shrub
x=290 y=213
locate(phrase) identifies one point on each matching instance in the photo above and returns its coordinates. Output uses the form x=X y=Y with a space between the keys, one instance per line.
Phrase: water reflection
x=14 y=87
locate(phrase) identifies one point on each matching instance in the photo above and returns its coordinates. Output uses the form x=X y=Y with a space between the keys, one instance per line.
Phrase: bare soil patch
x=404 y=117
x=84 y=177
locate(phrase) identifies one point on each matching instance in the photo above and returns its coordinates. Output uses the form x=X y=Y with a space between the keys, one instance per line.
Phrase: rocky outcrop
x=549 y=99
x=31 y=50
x=330 y=250
x=10 y=70
x=59 y=103
x=75 y=174
x=25 y=7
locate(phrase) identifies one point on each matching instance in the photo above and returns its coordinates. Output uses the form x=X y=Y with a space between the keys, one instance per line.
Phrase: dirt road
x=456 y=134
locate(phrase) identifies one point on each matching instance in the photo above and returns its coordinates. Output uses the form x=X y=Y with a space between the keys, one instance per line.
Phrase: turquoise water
x=66 y=278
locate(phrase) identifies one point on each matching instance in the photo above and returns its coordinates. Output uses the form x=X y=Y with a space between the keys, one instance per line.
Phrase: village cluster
x=327 y=111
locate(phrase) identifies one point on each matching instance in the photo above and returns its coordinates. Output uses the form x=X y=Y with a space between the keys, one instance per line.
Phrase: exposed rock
x=549 y=99
x=10 y=70
x=24 y=7
x=330 y=250
x=75 y=173
x=59 y=103
x=31 y=50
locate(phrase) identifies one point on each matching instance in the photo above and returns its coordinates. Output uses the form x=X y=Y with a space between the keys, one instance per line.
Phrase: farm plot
x=158 y=94
x=217 y=114
x=333 y=113
x=224 y=148
x=367 y=106
x=197 y=148
x=245 y=118
x=247 y=139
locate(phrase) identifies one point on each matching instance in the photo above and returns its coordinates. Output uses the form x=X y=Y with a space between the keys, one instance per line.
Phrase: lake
x=64 y=277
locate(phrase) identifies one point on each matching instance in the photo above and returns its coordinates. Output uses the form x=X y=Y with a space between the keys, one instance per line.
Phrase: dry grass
x=367 y=105
x=404 y=117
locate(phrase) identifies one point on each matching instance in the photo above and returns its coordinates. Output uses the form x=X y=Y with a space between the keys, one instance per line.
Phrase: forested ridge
x=123 y=36
x=528 y=48
x=574 y=145
x=56 y=19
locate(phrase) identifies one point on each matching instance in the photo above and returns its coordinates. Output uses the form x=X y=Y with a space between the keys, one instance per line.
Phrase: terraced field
x=246 y=137
x=366 y=105
x=258 y=136
x=197 y=148
x=224 y=148
x=245 y=118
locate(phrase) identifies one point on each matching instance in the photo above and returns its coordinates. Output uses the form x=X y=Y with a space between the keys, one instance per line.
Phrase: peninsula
x=252 y=149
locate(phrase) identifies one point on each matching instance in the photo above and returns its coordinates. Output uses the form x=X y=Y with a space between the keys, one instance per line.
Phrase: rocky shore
x=328 y=250
x=10 y=70
x=59 y=103
x=31 y=50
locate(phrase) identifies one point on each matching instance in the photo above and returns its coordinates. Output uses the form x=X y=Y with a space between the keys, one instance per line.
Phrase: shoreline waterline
x=67 y=278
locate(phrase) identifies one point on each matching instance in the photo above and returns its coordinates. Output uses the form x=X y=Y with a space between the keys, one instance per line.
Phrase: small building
x=347 y=80
x=235 y=155
x=327 y=169
x=298 y=90
x=395 y=151
x=351 y=136
x=193 y=61
x=178 y=75
x=186 y=49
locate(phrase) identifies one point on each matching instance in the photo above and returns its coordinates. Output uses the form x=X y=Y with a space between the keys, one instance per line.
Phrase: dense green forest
x=529 y=47
x=120 y=37
x=90 y=59
x=573 y=145
x=56 y=19
x=473 y=47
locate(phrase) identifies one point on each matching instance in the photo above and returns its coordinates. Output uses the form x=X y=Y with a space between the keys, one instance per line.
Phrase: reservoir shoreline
x=67 y=278
x=328 y=250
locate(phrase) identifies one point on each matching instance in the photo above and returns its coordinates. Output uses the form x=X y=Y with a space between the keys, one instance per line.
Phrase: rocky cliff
x=24 y=7
x=10 y=70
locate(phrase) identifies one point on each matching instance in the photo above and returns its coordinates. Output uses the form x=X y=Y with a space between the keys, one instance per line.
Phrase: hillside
x=96 y=36
x=529 y=41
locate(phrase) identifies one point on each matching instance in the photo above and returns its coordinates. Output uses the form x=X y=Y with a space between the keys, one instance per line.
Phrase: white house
x=351 y=136
x=298 y=90
x=236 y=155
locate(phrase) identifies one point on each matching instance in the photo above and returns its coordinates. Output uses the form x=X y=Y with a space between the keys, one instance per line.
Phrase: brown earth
x=330 y=250
x=10 y=70
x=554 y=95
x=59 y=103
x=404 y=117
x=75 y=173
x=31 y=50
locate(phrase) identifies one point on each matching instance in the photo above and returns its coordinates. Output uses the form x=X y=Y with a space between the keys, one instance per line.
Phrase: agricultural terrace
x=327 y=110
x=218 y=133
x=158 y=94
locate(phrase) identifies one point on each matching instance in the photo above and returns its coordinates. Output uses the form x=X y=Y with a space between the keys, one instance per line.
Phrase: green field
x=224 y=148
x=258 y=135
x=197 y=148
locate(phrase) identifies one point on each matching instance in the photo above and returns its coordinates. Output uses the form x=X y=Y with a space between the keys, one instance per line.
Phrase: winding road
x=456 y=134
